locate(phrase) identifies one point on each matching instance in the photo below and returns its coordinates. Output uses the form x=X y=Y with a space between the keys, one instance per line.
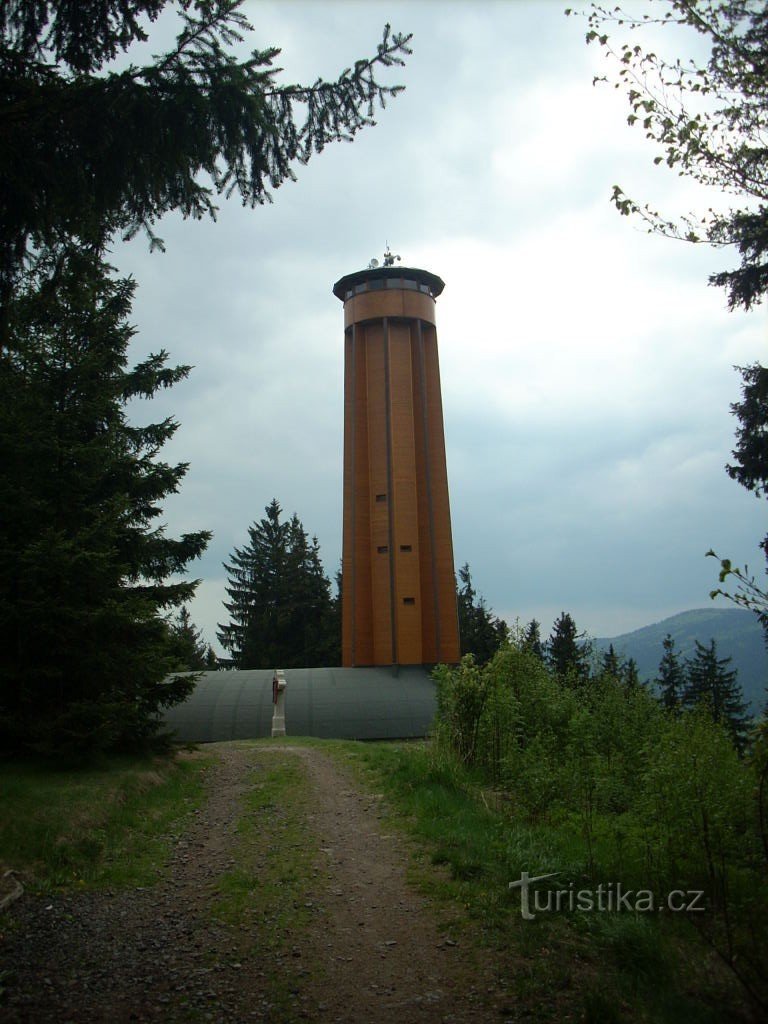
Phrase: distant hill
x=737 y=633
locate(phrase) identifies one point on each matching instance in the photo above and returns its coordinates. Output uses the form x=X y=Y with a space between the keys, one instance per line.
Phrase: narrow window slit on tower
x=409 y=600
x=406 y=547
x=382 y=549
x=381 y=497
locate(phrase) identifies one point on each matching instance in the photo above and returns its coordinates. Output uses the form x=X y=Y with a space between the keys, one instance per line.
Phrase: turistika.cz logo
x=608 y=897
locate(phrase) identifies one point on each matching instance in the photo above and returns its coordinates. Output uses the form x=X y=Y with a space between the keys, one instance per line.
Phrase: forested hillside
x=737 y=633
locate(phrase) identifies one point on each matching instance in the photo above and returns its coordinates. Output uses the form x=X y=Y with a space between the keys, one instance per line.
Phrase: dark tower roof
x=388 y=277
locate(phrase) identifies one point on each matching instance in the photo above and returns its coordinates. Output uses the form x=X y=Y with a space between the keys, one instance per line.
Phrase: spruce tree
x=280 y=607
x=532 y=639
x=481 y=633
x=84 y=565
x=671 y=677
x=567 y=652
x=310 y=623
x=629 y=675
x=186 y=644
x=255 y=575
x=750 y=469
x=750 y=466
x=711 y=682
x=620 y=670
x=89 y=152
x=610 y=663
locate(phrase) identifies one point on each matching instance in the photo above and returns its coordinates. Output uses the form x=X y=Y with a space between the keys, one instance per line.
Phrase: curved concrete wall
x=330 y=703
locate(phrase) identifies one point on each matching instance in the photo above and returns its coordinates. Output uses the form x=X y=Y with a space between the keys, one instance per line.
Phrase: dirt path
x=373 y=951
x=375 y=940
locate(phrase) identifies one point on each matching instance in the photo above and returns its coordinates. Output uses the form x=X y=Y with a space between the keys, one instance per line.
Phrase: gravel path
x=373 y=950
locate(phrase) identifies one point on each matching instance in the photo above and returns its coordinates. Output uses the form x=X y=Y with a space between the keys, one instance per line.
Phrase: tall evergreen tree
x=710 y=681
x=532 y=639
x=621 y=670
x=84 y=567
x=186 y=646
x=750 y=469
x=750 y=465
x=281 y=611
x=88 y=151
x=480 y=631
x=256 y=573
x=310 y=608
x=610 y=663
x=334 y=628
x=629 y=675
x=567 y=652
x=670 y=678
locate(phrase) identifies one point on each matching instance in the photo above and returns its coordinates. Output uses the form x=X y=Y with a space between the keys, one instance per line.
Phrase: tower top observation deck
x=389 y=277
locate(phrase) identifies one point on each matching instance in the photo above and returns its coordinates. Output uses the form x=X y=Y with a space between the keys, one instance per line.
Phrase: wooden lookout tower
x=398 y=584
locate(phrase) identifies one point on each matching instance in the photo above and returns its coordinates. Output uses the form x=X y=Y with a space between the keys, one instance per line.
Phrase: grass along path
x=110 y=824
x=141 y=953
x=263 y=897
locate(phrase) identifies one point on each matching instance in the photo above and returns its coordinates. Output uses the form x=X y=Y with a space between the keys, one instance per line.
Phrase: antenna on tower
x=373 y=264
x=389 y=258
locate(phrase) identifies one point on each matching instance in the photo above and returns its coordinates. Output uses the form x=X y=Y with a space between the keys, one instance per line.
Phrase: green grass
x=267 y=888
x=272 y=858
x=109 y=825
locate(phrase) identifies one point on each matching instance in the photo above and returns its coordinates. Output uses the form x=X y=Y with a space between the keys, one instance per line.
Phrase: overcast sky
x=586 y=366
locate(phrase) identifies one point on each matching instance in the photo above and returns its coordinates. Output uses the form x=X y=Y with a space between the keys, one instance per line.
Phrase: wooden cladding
x=375 y=305
x=398 y=598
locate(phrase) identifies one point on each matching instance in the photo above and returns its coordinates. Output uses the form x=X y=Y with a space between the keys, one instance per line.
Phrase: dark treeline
x=705 y=680
x=569 y=655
